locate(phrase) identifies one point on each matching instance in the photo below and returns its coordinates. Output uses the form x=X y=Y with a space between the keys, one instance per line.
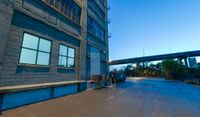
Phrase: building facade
x=52 y=41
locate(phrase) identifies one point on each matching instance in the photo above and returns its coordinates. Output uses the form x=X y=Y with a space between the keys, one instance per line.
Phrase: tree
x=174 y=70
x=129 y=70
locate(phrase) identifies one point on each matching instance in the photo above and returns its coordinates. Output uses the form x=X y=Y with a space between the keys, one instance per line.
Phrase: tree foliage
x=174 y=70
x=148 y=71
x=129 y=70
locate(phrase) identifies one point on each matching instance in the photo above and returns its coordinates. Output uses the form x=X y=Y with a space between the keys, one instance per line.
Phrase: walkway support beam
x=156 y=58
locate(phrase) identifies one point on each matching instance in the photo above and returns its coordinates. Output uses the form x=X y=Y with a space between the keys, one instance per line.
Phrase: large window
x=102 y=2
x=35 y=50
x=95 y=29
x=95 y=7
x=68 y=7
x=66 y=57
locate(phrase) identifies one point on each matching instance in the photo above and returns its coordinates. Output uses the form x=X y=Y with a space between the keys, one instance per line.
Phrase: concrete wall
x=15 y=99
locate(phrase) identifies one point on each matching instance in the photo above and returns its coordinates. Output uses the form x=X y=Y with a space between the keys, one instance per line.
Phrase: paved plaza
x=137 y=97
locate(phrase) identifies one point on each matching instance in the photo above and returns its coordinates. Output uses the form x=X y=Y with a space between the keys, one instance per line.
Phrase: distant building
x=192 y=62
x=61 y=42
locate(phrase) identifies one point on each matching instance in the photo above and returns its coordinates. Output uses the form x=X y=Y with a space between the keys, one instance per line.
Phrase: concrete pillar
x=180 y=61
x=138 y=64
x=143 y=65
x=186 y=62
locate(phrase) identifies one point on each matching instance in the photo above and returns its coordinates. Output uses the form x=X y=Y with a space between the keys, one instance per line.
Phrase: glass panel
x=62 y=61
x=63 y=50
x=71 y=52
x=51 y=2
x=62 y=6
x=57 y=3
x=43 y=58
x=45 y=45
x=69 y=7
x=70 y=62
x=30 y=41
x=28 y=56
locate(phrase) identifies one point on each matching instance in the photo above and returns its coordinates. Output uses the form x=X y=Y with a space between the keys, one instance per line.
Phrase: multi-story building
x=50 y=46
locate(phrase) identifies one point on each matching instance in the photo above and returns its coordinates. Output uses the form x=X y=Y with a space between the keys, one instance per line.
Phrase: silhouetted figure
x=113 y=78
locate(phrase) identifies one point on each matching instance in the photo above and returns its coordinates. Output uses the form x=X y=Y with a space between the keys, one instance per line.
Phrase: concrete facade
x=42 y=19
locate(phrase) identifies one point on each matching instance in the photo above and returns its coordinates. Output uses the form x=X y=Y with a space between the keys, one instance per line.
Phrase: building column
x=5 y=21
x=83 y=49
x=106 y=39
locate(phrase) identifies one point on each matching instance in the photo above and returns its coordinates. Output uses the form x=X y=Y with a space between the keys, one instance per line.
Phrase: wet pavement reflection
x=137 y=97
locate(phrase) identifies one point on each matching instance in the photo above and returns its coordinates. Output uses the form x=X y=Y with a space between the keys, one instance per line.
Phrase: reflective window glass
x=28 y=56
x=62 y=61
x=63 y=50
x=30 y=41
x=70 y=62
x=66 y=60
x=43 y=58
x=35 y=50
x=45 y=45
x=71 y=52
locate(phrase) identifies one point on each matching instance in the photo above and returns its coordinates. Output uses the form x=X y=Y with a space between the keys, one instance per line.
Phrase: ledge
x=9 y=89
x=32 y=65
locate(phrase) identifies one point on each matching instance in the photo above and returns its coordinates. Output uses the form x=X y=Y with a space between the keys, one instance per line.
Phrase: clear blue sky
x=155 y=26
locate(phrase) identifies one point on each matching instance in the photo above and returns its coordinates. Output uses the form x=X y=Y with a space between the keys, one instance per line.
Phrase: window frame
x=67 y=56
x=96 y=8
x=102 y=2
x=95 y=29
x=36 y=50
x=67 y=9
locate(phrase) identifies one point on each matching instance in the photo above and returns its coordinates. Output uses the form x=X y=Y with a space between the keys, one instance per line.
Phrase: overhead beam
x=156 y=57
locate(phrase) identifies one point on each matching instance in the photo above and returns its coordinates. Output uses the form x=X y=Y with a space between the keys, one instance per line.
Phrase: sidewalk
x=134 y=98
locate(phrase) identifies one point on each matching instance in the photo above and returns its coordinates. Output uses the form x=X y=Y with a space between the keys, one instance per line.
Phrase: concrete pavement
x=134 y=98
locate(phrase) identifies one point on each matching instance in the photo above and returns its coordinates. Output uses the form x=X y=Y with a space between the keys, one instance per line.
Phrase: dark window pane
x=69 y=8
x=43 y=58
x=57 y=3
x=95 y=7
x=51 y=2
x=62 y=6
x=28 y=56
x=95 y=29
x=30 y=41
